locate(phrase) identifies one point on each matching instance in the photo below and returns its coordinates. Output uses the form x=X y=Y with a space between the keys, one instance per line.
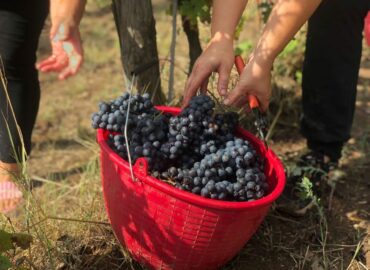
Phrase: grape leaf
x=194 y=9
x=5 y=241
x=4 y=263
x=244 y=47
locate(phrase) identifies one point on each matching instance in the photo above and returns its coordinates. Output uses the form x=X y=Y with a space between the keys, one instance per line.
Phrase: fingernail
x=227 y=101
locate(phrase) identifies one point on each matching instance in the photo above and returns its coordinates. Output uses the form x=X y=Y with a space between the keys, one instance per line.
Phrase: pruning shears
x=261 y=121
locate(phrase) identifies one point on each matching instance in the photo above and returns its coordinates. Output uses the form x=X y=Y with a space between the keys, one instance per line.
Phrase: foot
x=318 y=160
x=10 y=196
x=314 y=166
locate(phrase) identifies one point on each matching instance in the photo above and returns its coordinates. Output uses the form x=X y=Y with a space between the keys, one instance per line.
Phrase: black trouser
x=21 y=23
x=330 y=73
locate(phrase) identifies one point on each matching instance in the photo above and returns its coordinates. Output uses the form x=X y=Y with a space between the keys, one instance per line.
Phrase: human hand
x=67 y=54
x=254 y=80
x=217 y=57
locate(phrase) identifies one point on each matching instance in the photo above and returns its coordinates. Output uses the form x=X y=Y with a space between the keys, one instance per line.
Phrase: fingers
x=195 y=80
x=53 y=67
x=233 y=98
x=48 y=61
x=75 y=63
x=238 y=98
x=66 y=67
x=204 y=87
x=223 y=81
x=67 y=72
x=264 y=103
x=54 y=63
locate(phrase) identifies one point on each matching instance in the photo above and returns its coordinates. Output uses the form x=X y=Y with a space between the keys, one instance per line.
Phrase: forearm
x=225 y=17
x=72 y=8
x=68 y=12
x=286 y=18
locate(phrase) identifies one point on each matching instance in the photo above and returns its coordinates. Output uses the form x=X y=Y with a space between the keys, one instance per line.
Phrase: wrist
x=62 y=29
x=263 y=58
x=222 y=37
x=68 y=11
x=258 y=67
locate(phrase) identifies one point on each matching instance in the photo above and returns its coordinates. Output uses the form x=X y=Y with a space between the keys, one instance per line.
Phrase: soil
x=61 y=154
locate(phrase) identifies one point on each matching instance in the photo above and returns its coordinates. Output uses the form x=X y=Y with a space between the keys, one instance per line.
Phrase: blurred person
x=21 y=23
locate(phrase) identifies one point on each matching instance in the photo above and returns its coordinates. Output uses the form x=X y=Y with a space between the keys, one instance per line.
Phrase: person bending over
x=330 y=69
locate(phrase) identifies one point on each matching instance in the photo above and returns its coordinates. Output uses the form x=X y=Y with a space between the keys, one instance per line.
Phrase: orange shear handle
x=252 y=100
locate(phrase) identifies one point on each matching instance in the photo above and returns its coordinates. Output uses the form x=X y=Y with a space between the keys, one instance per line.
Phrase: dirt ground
x=64 y=164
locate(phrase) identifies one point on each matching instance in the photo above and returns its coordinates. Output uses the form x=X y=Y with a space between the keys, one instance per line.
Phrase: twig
x=358 y=247
x=173 y=47
x=331 y=196
x=305 y=256
x=364 y=266
x=40 y=179
x=166 y=59
x=285 y=219
x=11 y=223
x=273 y=124
x=340 y=245
x=78 y=220
x=37 y=223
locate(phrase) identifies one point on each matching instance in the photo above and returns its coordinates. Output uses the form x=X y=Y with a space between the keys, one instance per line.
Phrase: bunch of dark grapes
x=226 y=124
x=147 y=127
x=118 y=144
x=147 y=139
x=232 y=173
x=112 y=115
x=220 y=129
x=185 y=129
x=196 y=150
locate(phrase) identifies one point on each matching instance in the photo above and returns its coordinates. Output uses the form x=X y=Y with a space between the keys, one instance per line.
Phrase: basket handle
x=141 y=167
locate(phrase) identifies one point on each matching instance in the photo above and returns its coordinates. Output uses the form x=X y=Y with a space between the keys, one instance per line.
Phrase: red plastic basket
x=166 y=228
